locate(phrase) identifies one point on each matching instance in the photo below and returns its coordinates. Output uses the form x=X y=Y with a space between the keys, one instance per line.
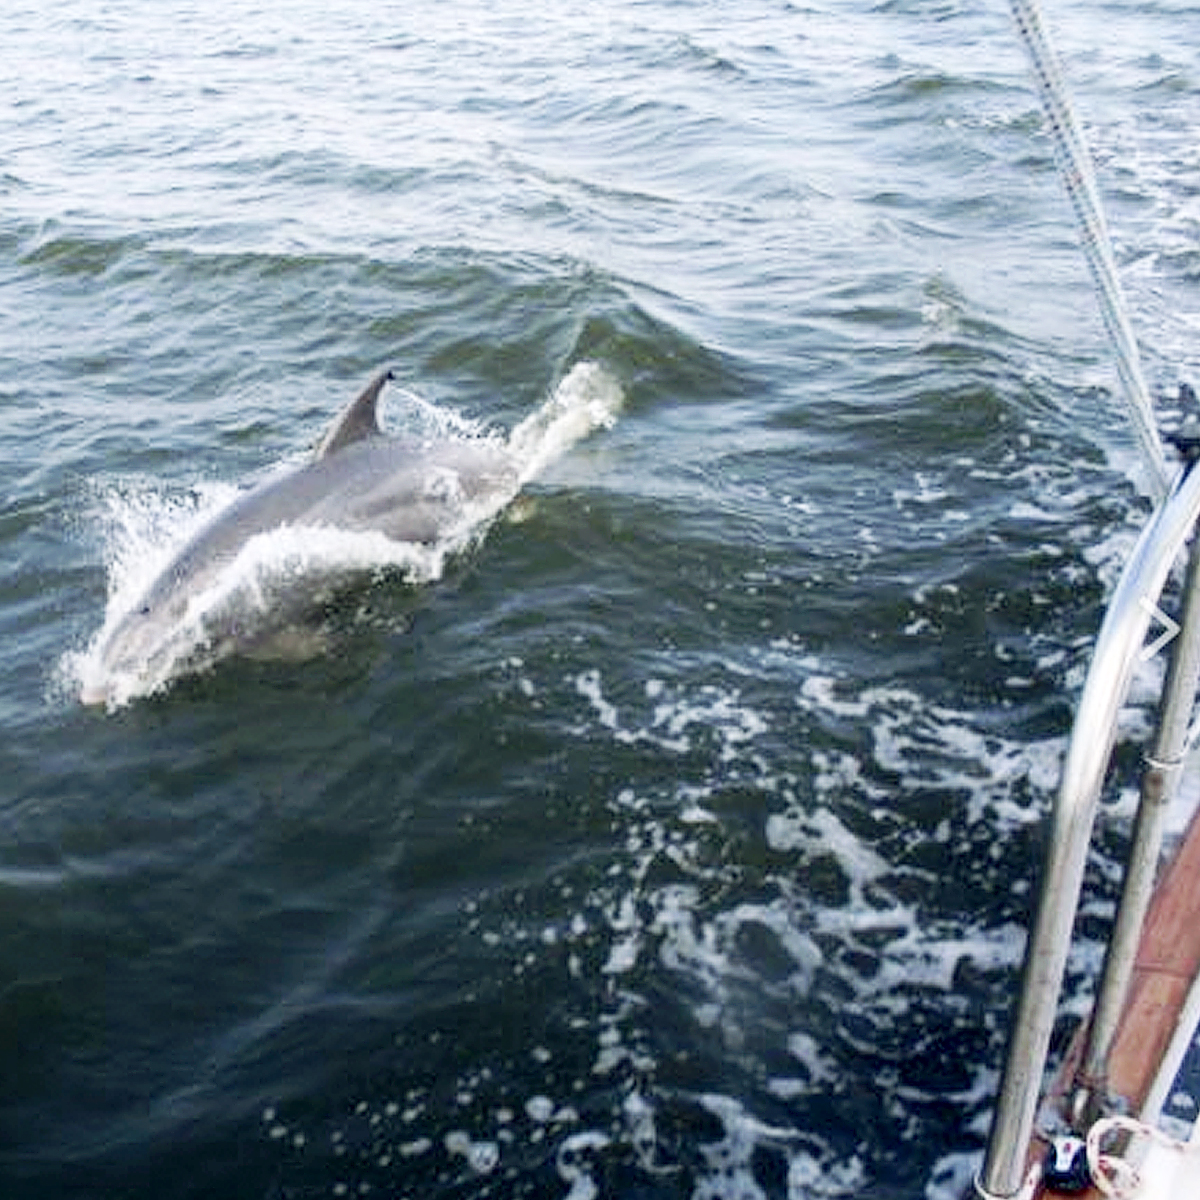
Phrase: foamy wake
x=709 y=920
x=264 y=599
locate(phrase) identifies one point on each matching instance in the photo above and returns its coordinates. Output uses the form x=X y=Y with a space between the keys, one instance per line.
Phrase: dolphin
x=421 y=492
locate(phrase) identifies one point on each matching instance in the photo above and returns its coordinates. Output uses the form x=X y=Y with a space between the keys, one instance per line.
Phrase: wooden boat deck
x=1167 y=964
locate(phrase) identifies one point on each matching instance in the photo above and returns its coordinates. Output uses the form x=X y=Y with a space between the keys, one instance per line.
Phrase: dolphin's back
x=406 y=489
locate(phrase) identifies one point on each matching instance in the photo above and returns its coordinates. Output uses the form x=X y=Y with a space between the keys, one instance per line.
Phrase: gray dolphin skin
x=359 y=480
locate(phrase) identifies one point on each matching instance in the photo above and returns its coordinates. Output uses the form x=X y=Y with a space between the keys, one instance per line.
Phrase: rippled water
x=676 y=841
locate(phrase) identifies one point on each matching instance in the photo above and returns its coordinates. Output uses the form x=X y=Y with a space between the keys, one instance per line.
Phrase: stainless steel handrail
x=1114 y=659
x=1164 y=766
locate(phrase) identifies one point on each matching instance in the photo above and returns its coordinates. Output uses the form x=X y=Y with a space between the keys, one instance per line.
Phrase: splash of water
x=588 y=398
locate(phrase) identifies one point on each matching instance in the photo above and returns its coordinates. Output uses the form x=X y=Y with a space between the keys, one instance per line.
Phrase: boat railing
x=1120 y=646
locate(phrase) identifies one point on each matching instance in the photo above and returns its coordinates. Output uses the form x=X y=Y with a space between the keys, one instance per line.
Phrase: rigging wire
x=1075 y=167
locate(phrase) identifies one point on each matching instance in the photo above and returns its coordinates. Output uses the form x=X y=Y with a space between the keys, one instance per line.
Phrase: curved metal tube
x=1114 y=658
x=1159 y=784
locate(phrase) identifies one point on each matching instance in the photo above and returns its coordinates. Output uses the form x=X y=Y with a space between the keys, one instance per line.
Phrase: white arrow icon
x=1170 y=628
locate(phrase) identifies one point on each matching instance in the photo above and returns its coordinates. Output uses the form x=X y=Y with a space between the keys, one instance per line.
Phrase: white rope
x=1075 y=167
x=1113 y=1175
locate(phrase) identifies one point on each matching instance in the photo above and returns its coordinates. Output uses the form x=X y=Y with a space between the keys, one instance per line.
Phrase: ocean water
x=672 y=836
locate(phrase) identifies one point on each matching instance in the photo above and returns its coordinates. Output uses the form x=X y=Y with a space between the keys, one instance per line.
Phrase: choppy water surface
x=674 y=840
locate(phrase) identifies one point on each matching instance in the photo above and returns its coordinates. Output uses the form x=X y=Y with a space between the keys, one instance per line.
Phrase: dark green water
x=676 y=842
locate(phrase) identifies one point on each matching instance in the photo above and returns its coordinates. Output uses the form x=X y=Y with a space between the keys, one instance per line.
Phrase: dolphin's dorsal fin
x=359 y=420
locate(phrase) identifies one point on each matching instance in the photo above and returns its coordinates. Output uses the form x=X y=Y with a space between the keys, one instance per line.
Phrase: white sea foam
x=574 y=1163
x=676 y=721
x=658 y=911
x=887 y=950
x=927 y=744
